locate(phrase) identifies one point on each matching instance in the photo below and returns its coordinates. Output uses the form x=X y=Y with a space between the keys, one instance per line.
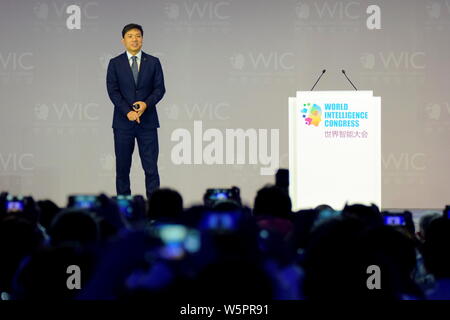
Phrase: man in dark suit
x=135 y=84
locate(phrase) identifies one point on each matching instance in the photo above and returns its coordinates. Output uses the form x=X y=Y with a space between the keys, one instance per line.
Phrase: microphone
x=323 y=71
x=343 y=71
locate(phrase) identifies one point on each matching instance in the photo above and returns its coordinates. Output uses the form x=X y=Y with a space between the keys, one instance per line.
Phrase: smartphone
x=177 y=241
x=125 y=204
x=282 y=179
x=394 y=220
x=14 y=204
x=220 y=221
x=447 y=212
x=83 y=201
x=212 y=196
x=219 y=194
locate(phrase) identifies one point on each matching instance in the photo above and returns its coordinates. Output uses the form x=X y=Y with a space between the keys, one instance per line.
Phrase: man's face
x=132 y=40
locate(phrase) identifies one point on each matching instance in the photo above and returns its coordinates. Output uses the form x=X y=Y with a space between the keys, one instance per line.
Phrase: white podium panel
x=334 y=148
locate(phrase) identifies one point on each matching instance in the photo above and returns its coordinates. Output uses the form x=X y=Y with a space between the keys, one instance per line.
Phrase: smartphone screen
x=394 y=220
x=125 y=204
x=177 y=241
x=84 y=201
x=220 y=221
x=14 y=206
x=219 y=194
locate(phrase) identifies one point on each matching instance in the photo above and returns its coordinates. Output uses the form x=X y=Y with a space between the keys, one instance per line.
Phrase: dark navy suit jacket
x=123 y=91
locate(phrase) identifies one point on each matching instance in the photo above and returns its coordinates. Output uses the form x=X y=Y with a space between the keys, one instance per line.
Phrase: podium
x=334 y=149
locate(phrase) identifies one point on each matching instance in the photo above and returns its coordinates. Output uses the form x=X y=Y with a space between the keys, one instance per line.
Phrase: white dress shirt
x=138 y=60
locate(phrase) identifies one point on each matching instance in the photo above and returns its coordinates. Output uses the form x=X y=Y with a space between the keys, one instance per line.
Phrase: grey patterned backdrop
x=228 y=64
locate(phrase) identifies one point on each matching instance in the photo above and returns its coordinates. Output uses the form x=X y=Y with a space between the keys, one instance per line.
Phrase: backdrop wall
x=228 y=64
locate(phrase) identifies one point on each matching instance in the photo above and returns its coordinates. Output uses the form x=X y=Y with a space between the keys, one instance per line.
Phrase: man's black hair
x=130 y=26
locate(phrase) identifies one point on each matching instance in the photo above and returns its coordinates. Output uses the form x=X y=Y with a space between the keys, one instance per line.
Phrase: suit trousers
x=124 y=141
